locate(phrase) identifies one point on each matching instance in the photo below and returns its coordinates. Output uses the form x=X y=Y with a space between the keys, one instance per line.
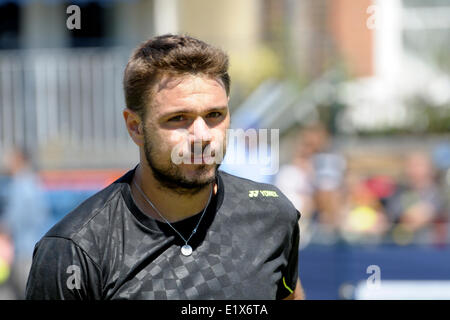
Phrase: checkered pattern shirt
x=246 y=247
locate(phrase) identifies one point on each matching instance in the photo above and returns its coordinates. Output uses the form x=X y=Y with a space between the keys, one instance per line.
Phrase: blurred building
x=60 y=89
x=61 y=93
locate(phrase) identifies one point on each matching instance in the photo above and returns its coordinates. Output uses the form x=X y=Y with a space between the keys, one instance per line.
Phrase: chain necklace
x=186 y=250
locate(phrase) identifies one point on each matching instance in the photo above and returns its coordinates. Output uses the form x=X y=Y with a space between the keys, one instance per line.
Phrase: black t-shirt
x=246 y=247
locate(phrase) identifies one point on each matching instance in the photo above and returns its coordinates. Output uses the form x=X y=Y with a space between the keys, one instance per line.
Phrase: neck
x=172 y=205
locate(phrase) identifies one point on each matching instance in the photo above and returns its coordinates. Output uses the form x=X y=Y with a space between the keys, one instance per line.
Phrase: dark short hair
x=169 y=55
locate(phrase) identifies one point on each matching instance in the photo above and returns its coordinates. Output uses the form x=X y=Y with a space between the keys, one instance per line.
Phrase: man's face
x=184 y=130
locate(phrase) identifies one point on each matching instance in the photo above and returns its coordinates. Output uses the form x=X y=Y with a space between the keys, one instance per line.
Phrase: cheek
x=176 y=136
x=220 y=132
x=176 y=141
x=219 y=139
x=160 y=142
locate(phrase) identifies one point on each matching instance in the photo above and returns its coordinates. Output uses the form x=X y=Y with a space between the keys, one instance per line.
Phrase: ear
x=134 y=126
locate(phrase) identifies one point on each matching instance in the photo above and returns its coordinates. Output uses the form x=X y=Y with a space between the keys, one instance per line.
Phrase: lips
x=201 y=159
x=206 y=157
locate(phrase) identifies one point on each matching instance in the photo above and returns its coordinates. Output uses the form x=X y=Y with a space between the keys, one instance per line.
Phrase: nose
x=201 y=132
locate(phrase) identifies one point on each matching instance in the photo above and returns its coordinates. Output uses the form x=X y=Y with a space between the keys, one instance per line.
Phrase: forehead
x=188 y=91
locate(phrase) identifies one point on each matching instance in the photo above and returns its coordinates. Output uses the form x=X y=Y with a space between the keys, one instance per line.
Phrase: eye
x=177 y=118
x=214 y=114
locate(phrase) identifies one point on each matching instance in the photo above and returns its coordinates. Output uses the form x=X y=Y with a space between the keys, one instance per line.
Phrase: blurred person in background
x=418 y=202
x=296 y=180
x=6 y=258
x=441 y=161
x=6 y=247
x=313 y=179
x=363 y=216
x=25 y=216
x=329 y=181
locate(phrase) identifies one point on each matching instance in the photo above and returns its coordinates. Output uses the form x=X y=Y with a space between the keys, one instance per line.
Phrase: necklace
x=186 y=250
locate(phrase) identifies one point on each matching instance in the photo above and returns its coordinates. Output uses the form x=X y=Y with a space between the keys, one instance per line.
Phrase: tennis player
x=174 y=227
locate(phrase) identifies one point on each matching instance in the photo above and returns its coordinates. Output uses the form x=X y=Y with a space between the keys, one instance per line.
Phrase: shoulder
x=94 y=207
x=266 y=195
x=88 y=225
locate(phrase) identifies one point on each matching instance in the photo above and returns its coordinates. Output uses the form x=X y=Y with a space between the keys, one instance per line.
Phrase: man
x=174 y=227
x=23 y=225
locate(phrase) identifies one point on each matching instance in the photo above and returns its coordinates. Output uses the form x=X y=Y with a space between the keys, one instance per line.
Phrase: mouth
x=200 y=159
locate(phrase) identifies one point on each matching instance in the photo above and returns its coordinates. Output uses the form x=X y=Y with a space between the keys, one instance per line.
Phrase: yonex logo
x=264 y=193
x=253 y=193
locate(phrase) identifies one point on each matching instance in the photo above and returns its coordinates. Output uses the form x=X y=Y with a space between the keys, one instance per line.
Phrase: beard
x=171 y=176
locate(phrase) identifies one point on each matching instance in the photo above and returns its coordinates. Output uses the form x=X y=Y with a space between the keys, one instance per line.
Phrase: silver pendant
x=186 y=250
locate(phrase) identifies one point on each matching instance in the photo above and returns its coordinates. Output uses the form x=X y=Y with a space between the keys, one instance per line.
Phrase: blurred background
x=359 y=91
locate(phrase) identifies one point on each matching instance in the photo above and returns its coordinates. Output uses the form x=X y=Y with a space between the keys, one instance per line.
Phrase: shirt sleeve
x=290 y=273
x=61 y=270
